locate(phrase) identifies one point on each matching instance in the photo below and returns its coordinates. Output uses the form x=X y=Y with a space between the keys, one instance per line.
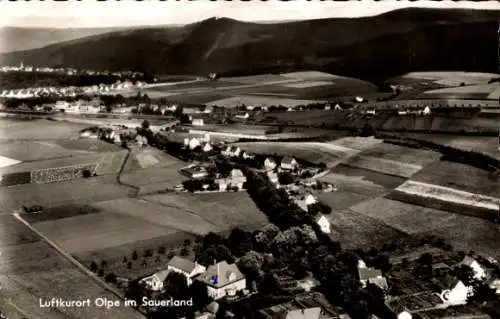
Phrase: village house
x=426 y=111
x=480 y=272
x=186 y=267
x=371 y=275
x=248 y=155
x=177 y=264
x=273 y=177
x=323 y=223
x=191 y=143
x=235 y=179
x=289 y=163
x=208 y=109
x=269 y=164
x=194 y=171
x=454 y=291
x=197 y=122
x=232 y=151
x=206 y=147
x=223 y=279
x=242 y=115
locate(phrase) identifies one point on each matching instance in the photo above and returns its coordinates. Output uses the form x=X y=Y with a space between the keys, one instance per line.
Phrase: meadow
x=459 y=176
x=313 y=152
x=38 y=129
x=23 y=150
x=31 y=269
x=483 y=91
x=401 y=154
x=61 y=193
x=384 y=166
x=450 y=78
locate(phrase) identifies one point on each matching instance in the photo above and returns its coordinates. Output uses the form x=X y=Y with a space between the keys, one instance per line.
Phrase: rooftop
x=182 y=264
x=224 y=274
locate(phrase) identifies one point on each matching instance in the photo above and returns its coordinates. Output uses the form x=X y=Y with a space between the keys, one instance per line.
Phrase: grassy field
x=459 y=176
x=256 y=100
x=384 y=166
x=38 y=129
x=57 y=194
x=354 y=177
x=483 y=91
x=313 y=152
x=219 y=211
x=53 y=163
x=31 y=269
x=449 y=78
x=401 y=154
x=114 y=256
x=94 y=231
x=355 y=230
x=34 y=150
x=463 y=232
x=342 y=199
x=151 y=170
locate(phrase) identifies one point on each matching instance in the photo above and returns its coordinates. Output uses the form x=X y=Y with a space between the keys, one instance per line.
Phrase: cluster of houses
x=221 y=279
x=70 y=91
x=451 y=292
x=67 y=71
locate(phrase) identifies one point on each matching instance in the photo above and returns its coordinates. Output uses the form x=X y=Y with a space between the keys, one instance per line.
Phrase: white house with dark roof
x=454 y=291
x=186 y=267
x=269 y=164
x=289 y=163
x=232 y=151
x=480 y=272
x=323 y=223
x=369 y=275
x=177 y=264
x=223 y=279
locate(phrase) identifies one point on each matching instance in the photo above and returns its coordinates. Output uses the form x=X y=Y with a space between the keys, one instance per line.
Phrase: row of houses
x=221 y=279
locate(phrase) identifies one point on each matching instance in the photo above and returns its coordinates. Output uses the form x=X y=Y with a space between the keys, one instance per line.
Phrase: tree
x=161 y=250
x=187 y=242
x=93 y=266
x=100 y=273
x=212 y=239
x=286 y=178
x=111 y=278
x=145 y=124
x=250 y=264
x=135 y=256
x=125 y=259
x=176 y=285
x=148 y=253
x=86 y=173
x=129 y=265
x=239 y=242
x=184 y=252
x=104 y=264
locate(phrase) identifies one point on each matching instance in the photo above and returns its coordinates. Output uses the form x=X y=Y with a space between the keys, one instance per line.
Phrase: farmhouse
x=454 y=291
x=427 y=111
x=235 y=179
x=479 y=271
x=323 y=223
x=370 y=275
x=232 y=151
x=289 y=163
x=223 y=279
x=269 y=164
x=197 y=122
x=248 y=155
x=194 y=171
x=192 y=143
x=206 y=147
x=185 y=267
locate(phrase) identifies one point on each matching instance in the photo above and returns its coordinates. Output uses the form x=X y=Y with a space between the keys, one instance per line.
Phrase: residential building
x=194 y=171
x=455 y=292
x=223 y=279
x=371 y=275
x=337 y=107
x=427 y=110
x=289 y=163
x=192 y=143
x=206 y=147
x=235 y=179
x=269 y=164
x=232 y=151
x=242 y=115
x=323 y=223
x=248 y=155
x=197 y=122
x=186 y=267
x=273 y=177
x=310 y=199
x=480 y=272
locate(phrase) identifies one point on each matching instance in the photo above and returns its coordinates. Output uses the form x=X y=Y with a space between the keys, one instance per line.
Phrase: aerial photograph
x=249 y=160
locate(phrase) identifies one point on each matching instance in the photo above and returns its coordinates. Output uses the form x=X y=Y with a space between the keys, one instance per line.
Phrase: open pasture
x=31 y=269
x=313 y=152
x=38 y=129
x=355 y=178
x=114 y=256
x=148 y=158
x=34 y=150
x=407 y=218
x=59 y=212
x=89 y=145
x=451 y=78
x=220 y=211
x=354 y=230
x=342 y=199
x=482 y=91
x=357 y=143
x=89 y=232
x=459 y=176
x=238 y=128
x=61 y=193
x=401 y=154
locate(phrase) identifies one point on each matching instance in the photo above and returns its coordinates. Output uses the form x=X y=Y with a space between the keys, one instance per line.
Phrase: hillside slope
x=405 y=39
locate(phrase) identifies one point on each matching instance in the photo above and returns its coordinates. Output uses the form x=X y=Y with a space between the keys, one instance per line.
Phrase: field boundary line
x=73 y=260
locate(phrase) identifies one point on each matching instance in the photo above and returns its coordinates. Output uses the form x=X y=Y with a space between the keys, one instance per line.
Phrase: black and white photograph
x=296 y=159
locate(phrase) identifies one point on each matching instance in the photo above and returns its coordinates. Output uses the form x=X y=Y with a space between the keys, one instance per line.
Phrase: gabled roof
x=287 y=160
x=182 y=264
x=223 y=272
x=368 y=273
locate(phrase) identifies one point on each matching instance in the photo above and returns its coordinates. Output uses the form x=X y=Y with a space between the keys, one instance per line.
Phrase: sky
x=91 y=13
